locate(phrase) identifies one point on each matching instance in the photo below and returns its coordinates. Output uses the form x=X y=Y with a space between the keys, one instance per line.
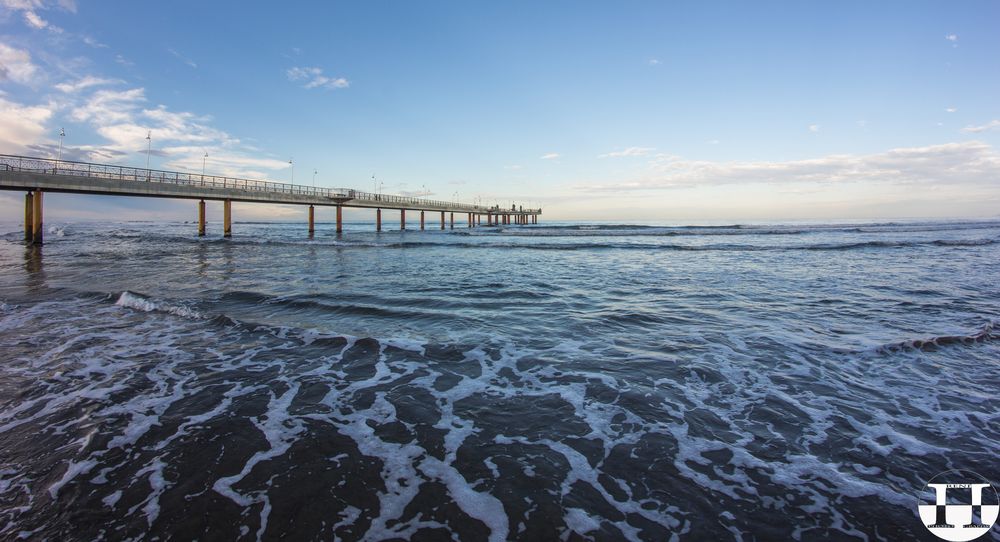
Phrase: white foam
x=137 y=302
x=580 y=522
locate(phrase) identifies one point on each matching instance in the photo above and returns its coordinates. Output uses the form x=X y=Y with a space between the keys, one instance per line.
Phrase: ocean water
x=559 y=381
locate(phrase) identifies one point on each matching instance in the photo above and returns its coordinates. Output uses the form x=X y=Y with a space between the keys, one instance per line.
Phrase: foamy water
x=539 y=382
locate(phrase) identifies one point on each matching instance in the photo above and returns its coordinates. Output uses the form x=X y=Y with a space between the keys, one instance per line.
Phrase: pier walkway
x=36 y=176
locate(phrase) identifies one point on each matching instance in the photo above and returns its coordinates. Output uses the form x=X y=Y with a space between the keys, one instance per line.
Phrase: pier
x=36 y=176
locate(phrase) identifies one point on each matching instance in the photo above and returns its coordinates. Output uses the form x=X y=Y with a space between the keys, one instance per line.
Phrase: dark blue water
x=559 y=381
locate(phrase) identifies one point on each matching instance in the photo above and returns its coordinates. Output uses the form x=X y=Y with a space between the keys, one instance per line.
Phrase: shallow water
x=793 y=381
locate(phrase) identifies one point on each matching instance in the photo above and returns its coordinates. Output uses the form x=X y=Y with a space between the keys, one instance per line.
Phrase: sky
x=656 y=111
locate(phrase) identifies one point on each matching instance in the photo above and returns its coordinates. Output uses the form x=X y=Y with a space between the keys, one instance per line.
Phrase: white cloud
x=313 y=77
x=124 y=61
x=950 y=109
x=549 y=156
x=991 y=125
x=15 y=65
x=951 y=37
x=513 y=167
x=94 y=43
x=814 y=128
x=631 y=151
x=34 y=21
x=653 y=61
x=966 y=162
x=29 y=10
x=183 y=58
x=85 y=83
x=21 y=125
x=713 y=141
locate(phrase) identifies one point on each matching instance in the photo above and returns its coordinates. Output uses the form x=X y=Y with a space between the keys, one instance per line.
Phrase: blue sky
x=611 y=111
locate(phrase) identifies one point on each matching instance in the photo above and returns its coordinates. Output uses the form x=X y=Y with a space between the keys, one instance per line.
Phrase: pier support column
x=340 y=219
x=378 y=219
x=37 y=228
x=227 y=218
x=452 y=220
x=442 y=219
x=201 y=218
x=421 y=220
x=402 y=219
x=29 y=222
x=312 y=220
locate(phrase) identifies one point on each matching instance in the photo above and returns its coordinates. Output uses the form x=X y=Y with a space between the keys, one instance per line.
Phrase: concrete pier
x=340 y=219
x=33 y=176
x=421 y=220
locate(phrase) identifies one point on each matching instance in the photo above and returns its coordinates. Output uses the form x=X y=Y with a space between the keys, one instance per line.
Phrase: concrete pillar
x=37 y=227
x=312 y=220
x=402 y=219
x=421 y=220
x=227 y=218
x=452 y=220
x=340 y=219
x=378 y=219
x=29 y=223
x=442 y=219
x=489 y=219
x=201 y=218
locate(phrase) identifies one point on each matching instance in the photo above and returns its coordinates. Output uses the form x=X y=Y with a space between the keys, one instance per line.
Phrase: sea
x=560 y=381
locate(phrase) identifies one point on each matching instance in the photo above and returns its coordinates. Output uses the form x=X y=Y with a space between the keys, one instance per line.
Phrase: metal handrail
x=49 y=166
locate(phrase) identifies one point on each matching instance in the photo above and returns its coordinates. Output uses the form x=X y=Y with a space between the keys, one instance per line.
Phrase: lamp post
x=314 y=177
x=149 y=145
x=62 y=135
x=292 y=167
x=204 y=161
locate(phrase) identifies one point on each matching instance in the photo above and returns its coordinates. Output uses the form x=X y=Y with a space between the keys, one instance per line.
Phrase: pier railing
x=134 y=174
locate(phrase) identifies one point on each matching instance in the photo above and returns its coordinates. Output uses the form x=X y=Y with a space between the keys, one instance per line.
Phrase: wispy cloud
x=91 y=41
x=16 y=65
x=950 y=109
x=22 y=125
x=631 y=151
x=814 y=128
x=991 y=125
x=653 y=61
x=967 y=162
x=29 y=10
x=549 y=156
x=312 y=77
x=124 y=61
x=952 y=37
x=513 y=167
x=72 y=87
x=183 y=58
